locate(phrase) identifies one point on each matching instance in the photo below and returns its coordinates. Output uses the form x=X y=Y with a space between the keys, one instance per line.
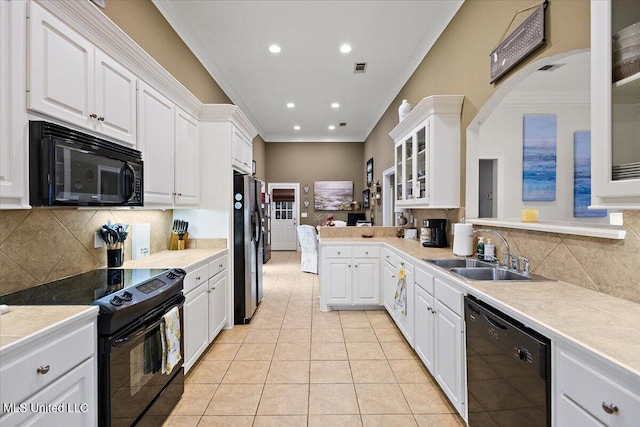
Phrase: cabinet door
x=115 y=99
x=155 y=140
x=75 y=392
x=449 y=360
x=61 y=78
x=409 y=167
x=366 y=281
x=405 y=321
x=237 y=149
x=422 y=148
x=389 y=282
x=338 y=281
x=217 y=304
x=424 y=318
x=13 y=132
x=196 y=324
x=247 y=155
x=399 y=157
x=187 y=178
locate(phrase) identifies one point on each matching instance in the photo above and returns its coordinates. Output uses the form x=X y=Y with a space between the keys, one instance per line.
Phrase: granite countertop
x=607 y=326
x=25 y=323
x=168 y=259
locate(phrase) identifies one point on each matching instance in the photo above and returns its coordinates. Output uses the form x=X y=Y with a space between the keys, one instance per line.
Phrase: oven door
x=135 y=377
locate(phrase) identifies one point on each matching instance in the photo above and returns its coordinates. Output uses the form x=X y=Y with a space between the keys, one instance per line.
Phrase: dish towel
x=401 y=292
x=170 y=333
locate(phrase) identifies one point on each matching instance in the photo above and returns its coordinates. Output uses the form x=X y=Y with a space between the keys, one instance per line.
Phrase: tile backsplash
x=41 y=245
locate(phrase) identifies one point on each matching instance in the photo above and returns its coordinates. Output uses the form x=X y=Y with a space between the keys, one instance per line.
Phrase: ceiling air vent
x=343 y=124
x=360 y=67
x=550 y=67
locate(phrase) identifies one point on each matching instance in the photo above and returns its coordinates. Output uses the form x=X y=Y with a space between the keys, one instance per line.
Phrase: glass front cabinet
x=615 y=104
x=427 y=154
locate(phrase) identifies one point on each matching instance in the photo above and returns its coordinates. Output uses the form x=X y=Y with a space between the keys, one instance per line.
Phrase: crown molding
x=228 y=113
x=87 y=20
x=435 y=104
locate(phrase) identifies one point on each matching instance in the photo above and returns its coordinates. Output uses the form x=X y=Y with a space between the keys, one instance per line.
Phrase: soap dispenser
x=489 y=251
x=480 y=248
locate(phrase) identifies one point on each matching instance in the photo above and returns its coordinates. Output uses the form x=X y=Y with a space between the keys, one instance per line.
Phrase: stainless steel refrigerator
x=247 y=247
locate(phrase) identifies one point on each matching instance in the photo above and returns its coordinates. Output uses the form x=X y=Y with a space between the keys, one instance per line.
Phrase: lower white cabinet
x=439 y=334
x=205 y=308
x=59 y=369
x=404 y=321
x=588 y=393
x=351 y=275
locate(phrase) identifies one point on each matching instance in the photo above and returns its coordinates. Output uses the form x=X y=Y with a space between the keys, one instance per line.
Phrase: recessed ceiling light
x=296 y=127
x=274 y=48
x=290 y=105
x=332 y=127
x=345 y=48
x=335 y=105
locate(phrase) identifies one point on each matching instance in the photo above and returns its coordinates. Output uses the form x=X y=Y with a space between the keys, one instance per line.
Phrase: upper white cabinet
x=156 y=141
x=242 y=151
x=13 y=129
x=71 y=80
x=187 y=169
x=427 y=154
x=615 y=110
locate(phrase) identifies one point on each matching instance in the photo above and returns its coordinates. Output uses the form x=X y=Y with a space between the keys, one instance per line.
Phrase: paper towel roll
x=463 y=239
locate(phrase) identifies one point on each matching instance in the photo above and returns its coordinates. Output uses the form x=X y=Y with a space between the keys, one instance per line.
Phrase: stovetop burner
x=81 y=289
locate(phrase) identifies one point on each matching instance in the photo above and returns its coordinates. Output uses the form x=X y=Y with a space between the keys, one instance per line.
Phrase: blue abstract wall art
x=582 y=177
x=539 y=158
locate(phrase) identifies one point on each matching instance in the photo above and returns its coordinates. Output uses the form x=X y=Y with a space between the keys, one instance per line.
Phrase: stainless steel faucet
x=507 y=257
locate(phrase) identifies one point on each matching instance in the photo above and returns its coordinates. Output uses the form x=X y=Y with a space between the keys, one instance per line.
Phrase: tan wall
x=146 y=26
x=259 y=156
x=307 y=162
x=458 y=64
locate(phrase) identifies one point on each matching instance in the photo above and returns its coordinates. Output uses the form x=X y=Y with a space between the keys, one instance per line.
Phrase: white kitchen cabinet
x=156 y=123
x=405 y=322
x=57 y=368
x=589 y=393
x=242 y=151
x=217 y=302
x=187 y=169
x=71 y=80
x=205 y=308
x=424 y=338
x=427 y=154
x=615 y=110
x=449 y=354
x=351 y=275
x=13 y=130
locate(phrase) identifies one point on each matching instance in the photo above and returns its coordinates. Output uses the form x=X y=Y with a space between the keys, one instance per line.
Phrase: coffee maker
x=434 y=233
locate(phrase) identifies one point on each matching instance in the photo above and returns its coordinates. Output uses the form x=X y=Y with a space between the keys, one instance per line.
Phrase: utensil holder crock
x=114 y=257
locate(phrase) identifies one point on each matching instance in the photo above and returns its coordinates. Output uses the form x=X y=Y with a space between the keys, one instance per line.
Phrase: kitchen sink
x=458 y=262
x=487 y=273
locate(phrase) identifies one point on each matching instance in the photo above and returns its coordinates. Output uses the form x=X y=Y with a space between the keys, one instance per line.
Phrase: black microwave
x=71 y=168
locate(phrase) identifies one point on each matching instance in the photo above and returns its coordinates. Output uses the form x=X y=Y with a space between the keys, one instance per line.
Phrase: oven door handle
x=122 y=341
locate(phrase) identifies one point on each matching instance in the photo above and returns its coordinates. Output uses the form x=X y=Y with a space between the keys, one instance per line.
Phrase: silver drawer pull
x=44 y=369
x=609 y=408
x=220 y=265
x=198 y=278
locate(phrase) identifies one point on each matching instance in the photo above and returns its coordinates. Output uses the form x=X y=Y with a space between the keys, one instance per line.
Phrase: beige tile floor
x=296 y=366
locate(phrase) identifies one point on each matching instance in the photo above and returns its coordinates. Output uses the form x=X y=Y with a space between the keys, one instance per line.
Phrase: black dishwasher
x=508 y=370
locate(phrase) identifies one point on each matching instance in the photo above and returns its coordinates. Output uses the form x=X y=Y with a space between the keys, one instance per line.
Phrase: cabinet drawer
x=60 y=353
x=424 y=280
x=196 y=277
x=592 y=389
x=390 y=257
x=449 y=296
x=337 y=252
x=218 y=265
x=366 y=252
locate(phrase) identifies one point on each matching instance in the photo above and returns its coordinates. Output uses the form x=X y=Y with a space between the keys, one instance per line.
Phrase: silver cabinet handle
x=213 y=289
x=609 y=408
x=220 y=265
x=93 y=115
x=101 y=118
x=339 y=253
x=356 y=266
x=198 y=278
x=393 y=276
x=44 y=369
x=366 y=253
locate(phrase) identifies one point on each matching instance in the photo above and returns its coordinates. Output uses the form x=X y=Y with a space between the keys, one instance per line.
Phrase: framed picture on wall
x=365 y=198
x=370 y=172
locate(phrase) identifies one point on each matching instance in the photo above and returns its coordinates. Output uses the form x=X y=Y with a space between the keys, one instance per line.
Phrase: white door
x=284 y=216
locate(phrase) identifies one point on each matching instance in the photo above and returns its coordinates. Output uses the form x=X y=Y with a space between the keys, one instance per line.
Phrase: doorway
x=487 y=188
x=284 y=216
x=388 y=197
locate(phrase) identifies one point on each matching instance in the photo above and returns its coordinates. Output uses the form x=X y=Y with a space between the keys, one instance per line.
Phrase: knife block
x=173 y=242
